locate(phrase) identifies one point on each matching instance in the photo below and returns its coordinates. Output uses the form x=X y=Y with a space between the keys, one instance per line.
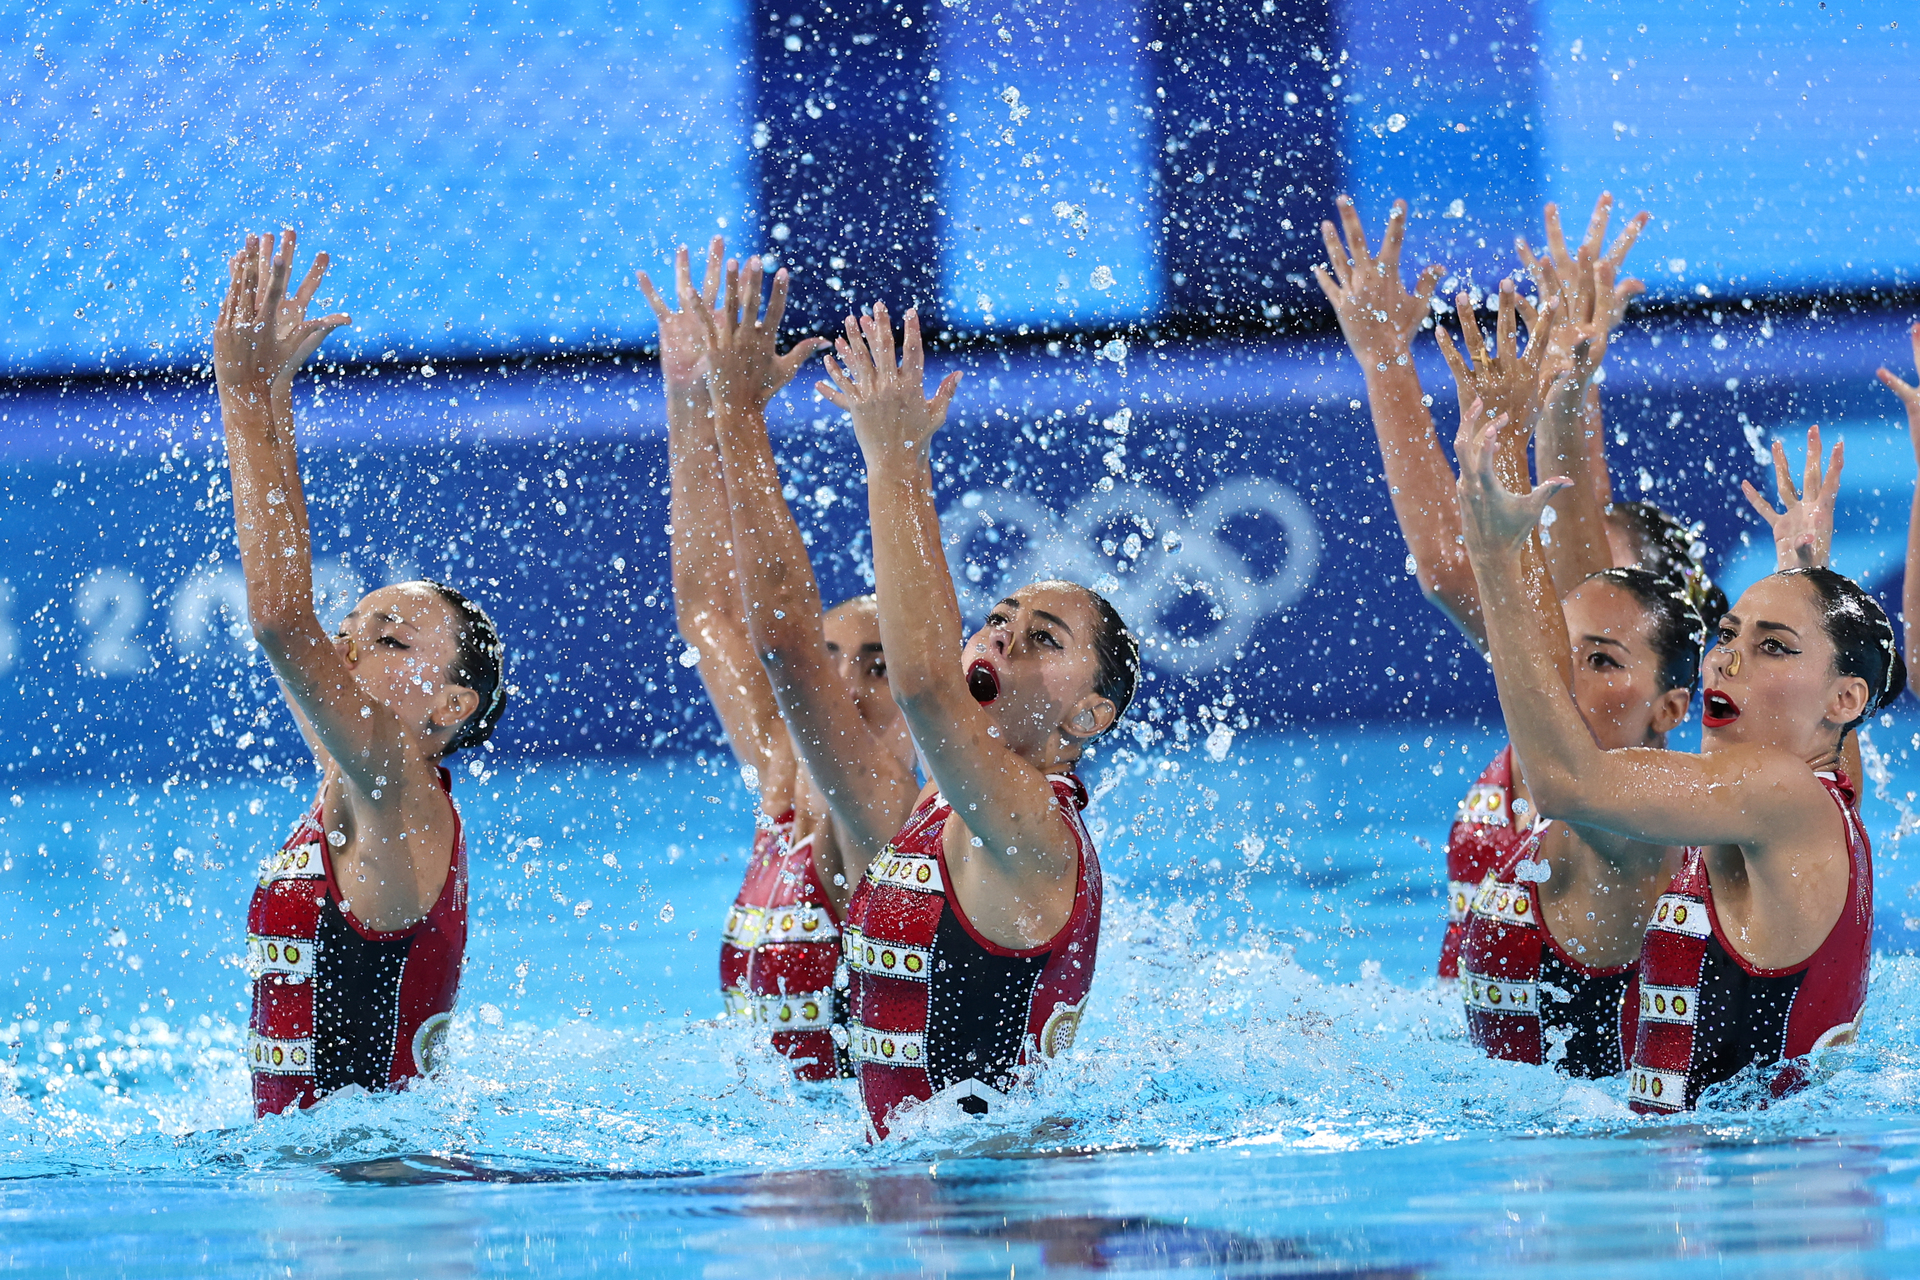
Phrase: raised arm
x=1803 y=533
x=1754 y=797
x=1505 y=385
x=869 y=790
x=706 y=596
x=1592 y=301
x=395 y=825
x=1007 y=804
x=1910 y=594
x=1379 y=317
x=260 y=340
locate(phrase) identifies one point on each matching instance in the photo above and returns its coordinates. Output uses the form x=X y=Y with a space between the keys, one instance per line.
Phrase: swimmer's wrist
x=1396 y=355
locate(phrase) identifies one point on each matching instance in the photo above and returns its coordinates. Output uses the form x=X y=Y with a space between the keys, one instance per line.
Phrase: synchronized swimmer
x=921 y=909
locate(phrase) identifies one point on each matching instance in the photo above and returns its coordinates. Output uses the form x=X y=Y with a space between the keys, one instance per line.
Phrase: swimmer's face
x=400 y=642
x=1770 y=678
x=853 y=647
x=1616 y=669
x=1033 y=667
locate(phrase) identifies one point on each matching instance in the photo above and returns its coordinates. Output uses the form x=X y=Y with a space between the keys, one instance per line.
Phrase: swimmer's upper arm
x=322 y=759
x=1753 y=797
x=1006 y=802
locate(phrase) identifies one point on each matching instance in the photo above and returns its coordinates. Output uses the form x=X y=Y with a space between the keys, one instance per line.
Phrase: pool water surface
x=1268 y=1081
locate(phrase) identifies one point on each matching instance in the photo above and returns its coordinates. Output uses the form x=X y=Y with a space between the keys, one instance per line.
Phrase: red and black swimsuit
x=936 y=1010
x=1484 y=833
x=1706 y=1014
x=748 y=912
x=780 y=951
x=1527 y=999
x=334 y=1002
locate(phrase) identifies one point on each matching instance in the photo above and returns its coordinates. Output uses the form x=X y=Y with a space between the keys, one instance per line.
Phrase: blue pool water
x=1267 y=1084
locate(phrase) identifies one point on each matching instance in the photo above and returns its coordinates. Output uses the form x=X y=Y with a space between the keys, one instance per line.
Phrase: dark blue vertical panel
x=1047 y=138
x=1442 y=109
x=843 y=133
x=1249 y=152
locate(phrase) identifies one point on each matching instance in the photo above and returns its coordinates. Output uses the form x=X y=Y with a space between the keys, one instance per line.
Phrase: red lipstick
x=983 y=682
x=1717 y=710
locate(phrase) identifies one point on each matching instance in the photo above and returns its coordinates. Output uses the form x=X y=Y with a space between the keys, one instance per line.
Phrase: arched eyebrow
x=1618 y=644
x=1776 y=626
x=1055 y=619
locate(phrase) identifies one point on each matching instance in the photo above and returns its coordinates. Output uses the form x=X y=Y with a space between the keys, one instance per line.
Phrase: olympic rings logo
x=1188 y=592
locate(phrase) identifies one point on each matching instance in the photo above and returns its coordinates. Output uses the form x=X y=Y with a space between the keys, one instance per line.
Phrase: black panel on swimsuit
x=978 y=1008
x=356 y=1004
x=1742 y=1019
x=1593 y=1015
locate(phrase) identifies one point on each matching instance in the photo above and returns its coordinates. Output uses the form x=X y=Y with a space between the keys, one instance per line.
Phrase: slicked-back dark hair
x=479 y=663
x=1863 y=639
x=1670 y=549
x=1119 y=656
x=1679 y=633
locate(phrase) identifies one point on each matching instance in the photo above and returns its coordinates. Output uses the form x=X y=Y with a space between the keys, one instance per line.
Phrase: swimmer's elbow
x=275 y=632
x=1556 y=794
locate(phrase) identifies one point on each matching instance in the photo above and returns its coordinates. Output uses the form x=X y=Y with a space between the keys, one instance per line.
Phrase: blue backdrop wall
x=1228 y=498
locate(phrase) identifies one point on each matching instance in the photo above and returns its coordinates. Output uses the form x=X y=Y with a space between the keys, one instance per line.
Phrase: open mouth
x=983 y=682
x=1718 y=710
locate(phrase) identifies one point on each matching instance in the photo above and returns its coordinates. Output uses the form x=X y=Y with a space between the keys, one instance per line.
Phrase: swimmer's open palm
x=1493 y=517
x=1803 y=533
x=683 y=333
x=892 y=417
x=1377 y=315
x=1505 y=381
x=745 y=369
x=261 y=335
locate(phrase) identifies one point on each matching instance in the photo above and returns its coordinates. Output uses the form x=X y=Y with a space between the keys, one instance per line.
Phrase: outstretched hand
x=1376 y=313
x=1593 y=294
x=262 y=336
x=744 y=367
x=1493 y=517
x=892 y=418
x=1505 y=382
x=1803 y=533
x=683 y=334
x=1909 y=394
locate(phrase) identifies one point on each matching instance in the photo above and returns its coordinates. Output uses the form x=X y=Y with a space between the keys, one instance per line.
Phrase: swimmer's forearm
x=1420 y=486
x=1577 y=547
x=920 y=623
x=1545 y=726
x=700 y=555
x=269 y=512
x=779 y=595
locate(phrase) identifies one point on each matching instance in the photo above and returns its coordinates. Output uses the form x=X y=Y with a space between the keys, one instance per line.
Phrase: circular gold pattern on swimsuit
x=915 y=963
x=1679 y=915
x=810 y=1011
